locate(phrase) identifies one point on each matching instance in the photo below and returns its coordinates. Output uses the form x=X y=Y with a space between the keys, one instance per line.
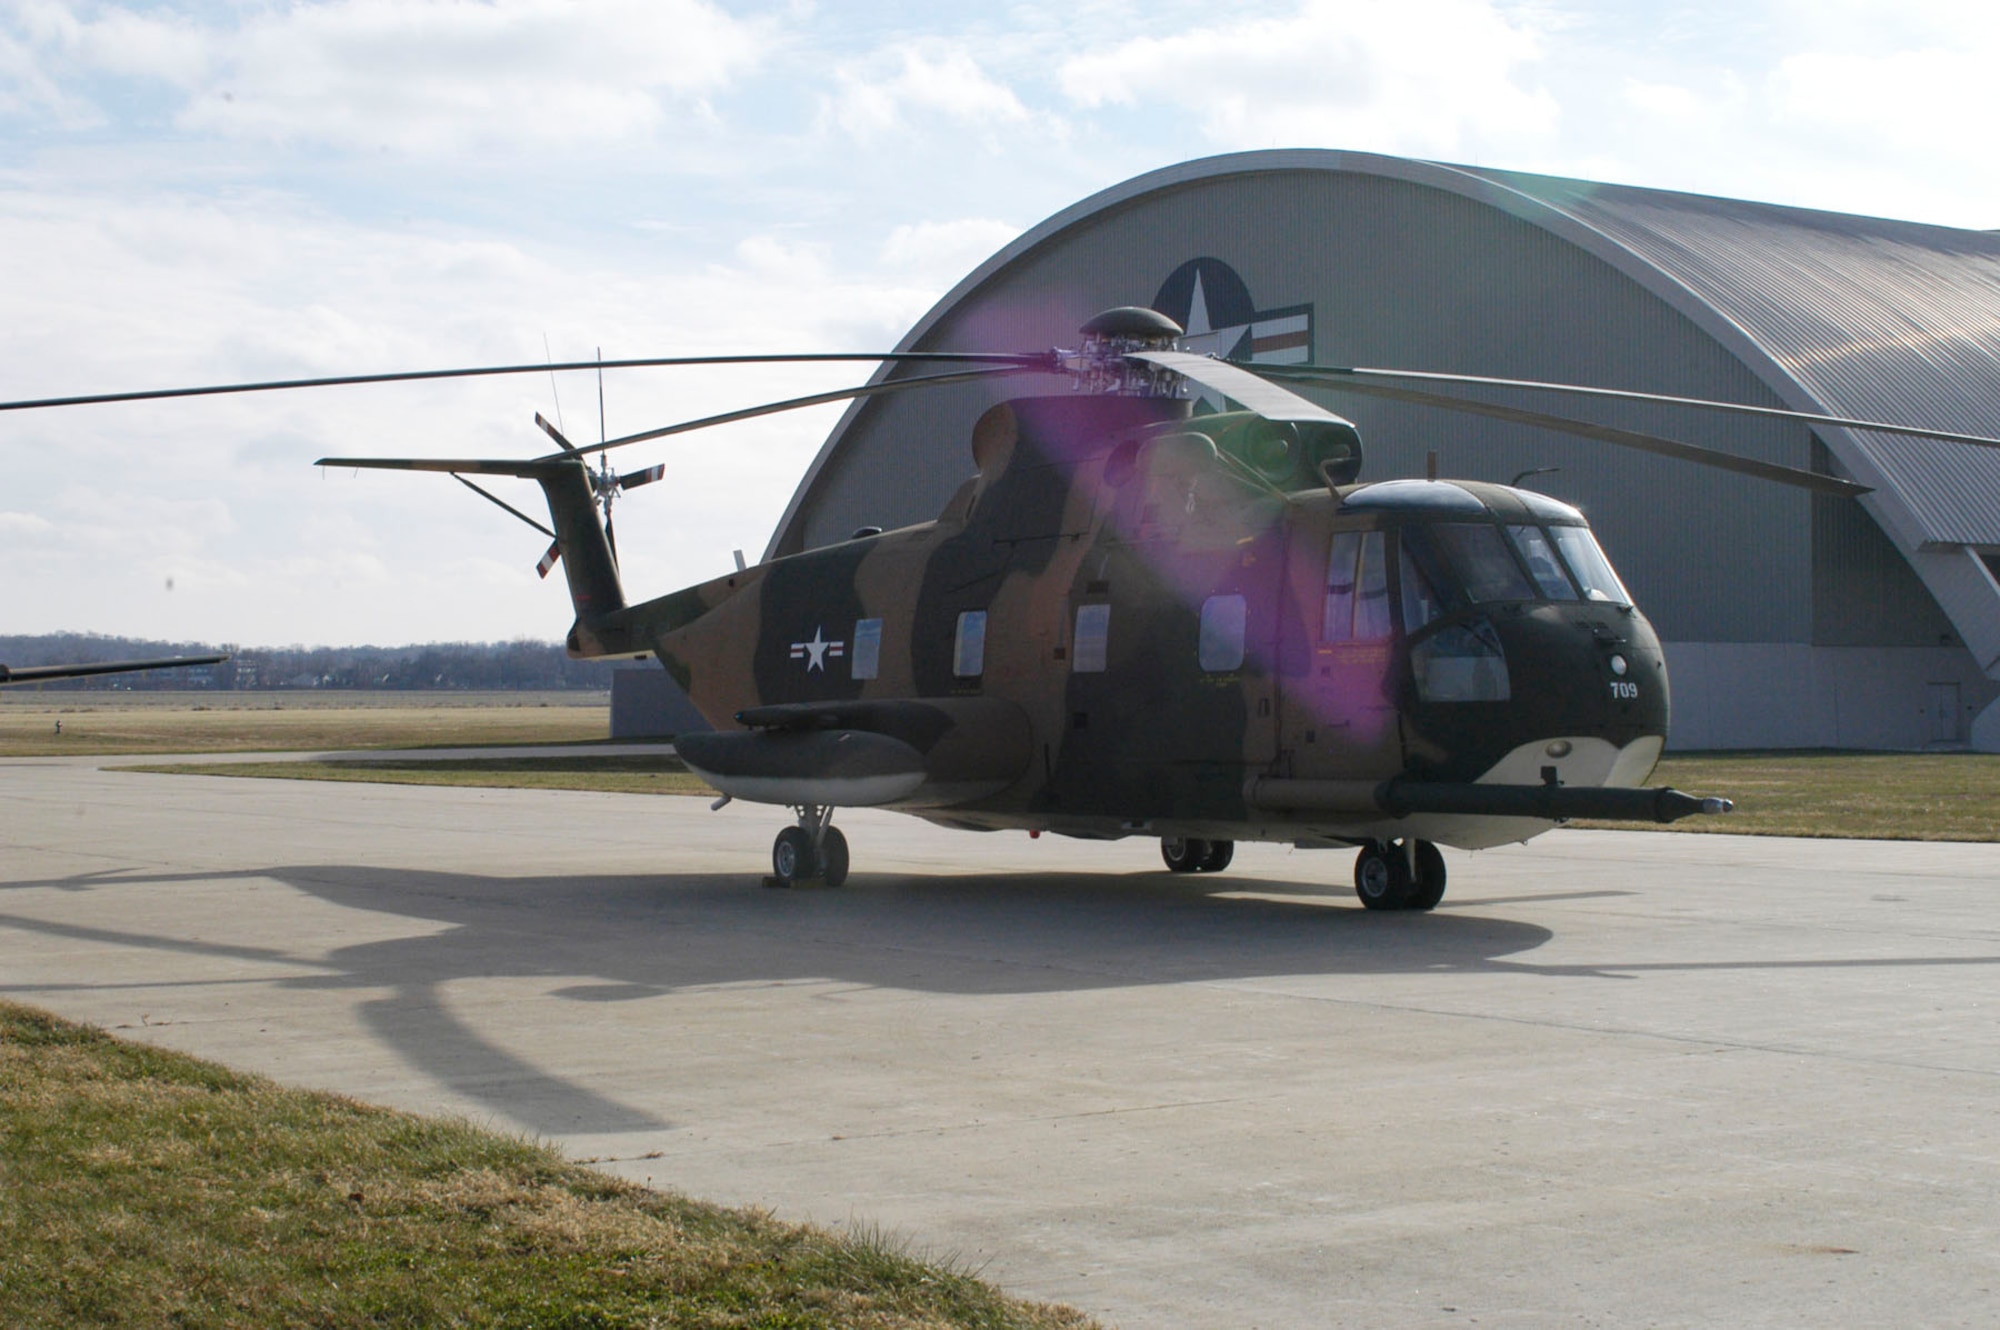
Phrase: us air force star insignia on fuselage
x=815 y=652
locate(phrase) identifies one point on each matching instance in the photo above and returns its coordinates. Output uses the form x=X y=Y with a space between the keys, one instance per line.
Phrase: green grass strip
x=145 y=1188
x=1862 y=796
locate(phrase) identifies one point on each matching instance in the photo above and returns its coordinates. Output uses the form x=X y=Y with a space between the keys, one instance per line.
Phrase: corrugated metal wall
x=1405 y=275
x=1881 y=319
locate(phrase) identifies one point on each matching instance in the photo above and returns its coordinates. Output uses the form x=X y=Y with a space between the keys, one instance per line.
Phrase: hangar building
x=1791 y=619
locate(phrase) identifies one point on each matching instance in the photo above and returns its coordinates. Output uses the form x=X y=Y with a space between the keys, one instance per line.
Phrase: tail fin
x=586 y=554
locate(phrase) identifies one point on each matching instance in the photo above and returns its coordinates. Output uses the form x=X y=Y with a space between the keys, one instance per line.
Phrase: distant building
x=646 y=704
x=1791 y=620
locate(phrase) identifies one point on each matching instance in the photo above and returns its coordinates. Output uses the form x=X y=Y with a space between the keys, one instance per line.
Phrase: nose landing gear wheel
x=1428 y=889
x=1183 y=854
x=1382 y=877
x=1400 y=875
x=1191 y=854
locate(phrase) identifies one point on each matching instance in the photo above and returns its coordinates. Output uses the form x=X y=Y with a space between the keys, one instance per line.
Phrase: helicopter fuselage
x=1130 y=623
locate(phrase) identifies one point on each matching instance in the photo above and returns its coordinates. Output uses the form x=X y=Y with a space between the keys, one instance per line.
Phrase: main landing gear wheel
x=1191 y=854
x=1400 y=875
x=833 y=857
x=814 y=850
x=792 y=856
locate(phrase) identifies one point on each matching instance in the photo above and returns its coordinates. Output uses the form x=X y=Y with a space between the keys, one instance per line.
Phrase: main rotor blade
x=1233 y=381
x=1017 y=359
x=1624 y=438
x=1339 y=374
x=814 y=399
x=37 y=673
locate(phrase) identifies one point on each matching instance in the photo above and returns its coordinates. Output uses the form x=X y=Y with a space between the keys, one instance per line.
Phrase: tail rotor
x=605 y=483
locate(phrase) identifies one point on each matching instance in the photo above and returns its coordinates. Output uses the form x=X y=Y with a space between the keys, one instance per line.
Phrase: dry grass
x=1889 y=796
x=1865 y=796
x=144 y=1188
x=100 y=723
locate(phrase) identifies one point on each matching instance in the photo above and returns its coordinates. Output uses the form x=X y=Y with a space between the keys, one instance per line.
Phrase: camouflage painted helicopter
x=1136 y=621
x=1133 y=620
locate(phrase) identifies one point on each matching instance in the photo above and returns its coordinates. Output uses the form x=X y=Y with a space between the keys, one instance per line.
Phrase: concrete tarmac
x=1618 y=1079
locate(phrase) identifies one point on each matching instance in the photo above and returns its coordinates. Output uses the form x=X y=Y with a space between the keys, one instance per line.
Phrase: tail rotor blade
x=611 y=536
x=554 y=433
x=549 y=559
x=645 y=477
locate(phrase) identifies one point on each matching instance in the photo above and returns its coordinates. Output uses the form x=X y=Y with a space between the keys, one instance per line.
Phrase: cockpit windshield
x=1453 y=562
x=1587 y=561
x=1478 y=554
x=1543 y=566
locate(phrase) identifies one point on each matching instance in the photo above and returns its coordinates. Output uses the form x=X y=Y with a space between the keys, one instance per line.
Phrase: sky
x=208 y=193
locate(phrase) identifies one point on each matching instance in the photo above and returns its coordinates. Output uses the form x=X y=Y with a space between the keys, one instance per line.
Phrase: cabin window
x=1593 y=571
x=1092 y=641
x=1223 y=619
x=968 y=651
x=1540 y=556
x=867 y=657
x=1485 y=565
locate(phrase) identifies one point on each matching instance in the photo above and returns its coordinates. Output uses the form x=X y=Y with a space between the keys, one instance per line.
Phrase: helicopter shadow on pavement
x=599 y=939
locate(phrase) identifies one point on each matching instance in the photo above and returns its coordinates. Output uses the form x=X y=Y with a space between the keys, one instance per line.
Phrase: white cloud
x=856 y=165
x=945 y=251
x=24 y=524
x=417 y=76
x=106 y=293
x=1426 y=76
x=881 y=93
x=1928 y=100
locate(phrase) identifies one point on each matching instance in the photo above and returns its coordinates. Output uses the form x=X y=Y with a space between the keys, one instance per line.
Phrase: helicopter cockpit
x=1489 y=581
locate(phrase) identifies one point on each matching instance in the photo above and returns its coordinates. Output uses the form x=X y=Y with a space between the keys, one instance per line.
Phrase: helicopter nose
x=1570 y=678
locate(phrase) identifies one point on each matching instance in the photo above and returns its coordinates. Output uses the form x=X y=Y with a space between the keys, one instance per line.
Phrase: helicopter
x=1134 y=619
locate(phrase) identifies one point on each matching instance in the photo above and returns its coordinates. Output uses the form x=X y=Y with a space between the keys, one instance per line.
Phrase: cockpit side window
x=1371 y=609
x=1338 y=619
x=1357 y=589
x=1593 y=571
x=1540 y=556
x=1429 y=590
x=1483 y=561
x=1421 y=602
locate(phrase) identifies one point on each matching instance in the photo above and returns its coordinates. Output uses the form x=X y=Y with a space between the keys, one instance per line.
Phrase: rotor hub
x=1103 y=364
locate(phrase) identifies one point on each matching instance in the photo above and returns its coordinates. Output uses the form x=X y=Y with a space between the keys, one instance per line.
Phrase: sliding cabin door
x=1338 y=718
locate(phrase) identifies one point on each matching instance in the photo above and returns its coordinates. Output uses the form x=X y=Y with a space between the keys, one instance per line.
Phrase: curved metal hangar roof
x=1349 y=258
